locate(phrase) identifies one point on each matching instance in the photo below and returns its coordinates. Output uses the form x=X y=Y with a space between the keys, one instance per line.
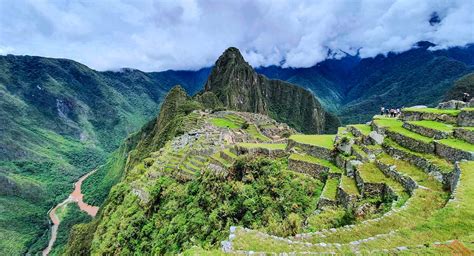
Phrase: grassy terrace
x=458 y=144
x=349 y=185
x=330 y=189
x=370 y=173
x=454 y=221
x=395 y=125
x=451 y=112
x=433 y=125
x=227 y=152
x=314 y=160
x=442 y=163
x=225 y=123
x=221 y=160
x=414 y=172
x=363 y=128
x=326 y=141
x=273 y=146
x=253 y=131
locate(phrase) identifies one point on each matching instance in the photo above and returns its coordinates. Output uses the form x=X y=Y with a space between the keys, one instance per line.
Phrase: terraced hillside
x=242 y=183
x=408 y=183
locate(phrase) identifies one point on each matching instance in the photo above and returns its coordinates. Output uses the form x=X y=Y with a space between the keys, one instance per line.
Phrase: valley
x=43 y=160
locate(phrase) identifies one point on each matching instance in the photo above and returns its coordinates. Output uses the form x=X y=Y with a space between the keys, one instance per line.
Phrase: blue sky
x=187 y=34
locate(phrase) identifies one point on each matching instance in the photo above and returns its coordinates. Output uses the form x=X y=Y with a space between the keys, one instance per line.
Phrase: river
x=75 y=197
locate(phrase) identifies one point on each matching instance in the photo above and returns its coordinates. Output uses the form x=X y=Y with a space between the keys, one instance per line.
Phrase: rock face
x=239 y=87
x=452 y=104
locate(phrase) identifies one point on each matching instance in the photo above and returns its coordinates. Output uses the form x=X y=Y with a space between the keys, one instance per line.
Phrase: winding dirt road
x=75 y=197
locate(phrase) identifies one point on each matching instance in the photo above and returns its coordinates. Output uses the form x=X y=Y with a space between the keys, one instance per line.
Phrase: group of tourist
x=390 y=112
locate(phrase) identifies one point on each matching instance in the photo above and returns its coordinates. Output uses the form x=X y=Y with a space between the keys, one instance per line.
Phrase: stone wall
x=410 y=143
x=315 y=170
x=345 y=199
x=464 y=134
x=316 y=151
x=325 y=202
x=239 y=150
x=453 y=154
x=418 y=116
x=390 y=170
x=466 y=118
x=428 y=132
x=420 y=162
x=368 y=189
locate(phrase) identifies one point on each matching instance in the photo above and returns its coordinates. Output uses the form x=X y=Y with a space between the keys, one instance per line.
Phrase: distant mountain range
x=59 y=118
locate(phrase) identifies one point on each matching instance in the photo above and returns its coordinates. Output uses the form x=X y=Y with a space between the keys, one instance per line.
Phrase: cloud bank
x=191 y=34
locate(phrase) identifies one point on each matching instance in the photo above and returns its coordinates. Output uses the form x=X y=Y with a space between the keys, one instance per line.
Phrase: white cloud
x=190 y=34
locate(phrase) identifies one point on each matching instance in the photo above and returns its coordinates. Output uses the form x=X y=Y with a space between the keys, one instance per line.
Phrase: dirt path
x=77 y=197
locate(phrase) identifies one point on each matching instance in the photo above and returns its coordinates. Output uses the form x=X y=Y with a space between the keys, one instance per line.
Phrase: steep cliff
x=239 y=87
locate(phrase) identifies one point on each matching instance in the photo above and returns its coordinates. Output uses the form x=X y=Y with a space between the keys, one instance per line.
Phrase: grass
x=229 y=153
x=272 y=146
x=370 y=173
x=395 y=125
x=225 y=123
x=349 y=185
x=314 y=160
x=221 y=160
x=443 y=164
x=451 y=112
x=433 y=125
x=363 y=128
x=458 y=144
x=454 y=221
x=326 y=141
x=253 y=131
x=330 y=189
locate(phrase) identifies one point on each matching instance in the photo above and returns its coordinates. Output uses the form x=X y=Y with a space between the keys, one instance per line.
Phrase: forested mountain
x=356 y=88
x=58 y=120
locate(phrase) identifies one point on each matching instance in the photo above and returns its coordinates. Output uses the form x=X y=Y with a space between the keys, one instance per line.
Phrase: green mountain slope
x=59 y=119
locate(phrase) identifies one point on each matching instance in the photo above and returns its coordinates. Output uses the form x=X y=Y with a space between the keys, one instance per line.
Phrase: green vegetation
x=330 y=188
x=329 y=217
x=443 y=164
x=314 y=160
x=223 y=122
x=72 y=215
x=259 y=194
x=349 y=185
x=395 y=126
x=451 y=112
x=462 y=85
x=263 y=145
x=253 y=131
x=458 y=144
x=326 y=141
x=433 y=125
x=370 y=173
x=363 y=128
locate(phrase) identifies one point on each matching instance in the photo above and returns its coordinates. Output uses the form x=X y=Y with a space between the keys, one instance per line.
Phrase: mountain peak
x=231 y=58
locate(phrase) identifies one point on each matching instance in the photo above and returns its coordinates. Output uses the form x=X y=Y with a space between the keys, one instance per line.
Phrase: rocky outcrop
x=452 y=104
x=239 y=87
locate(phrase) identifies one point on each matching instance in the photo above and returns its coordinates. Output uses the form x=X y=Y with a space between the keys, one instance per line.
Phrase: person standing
x=465 y=97
x=382 y=111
